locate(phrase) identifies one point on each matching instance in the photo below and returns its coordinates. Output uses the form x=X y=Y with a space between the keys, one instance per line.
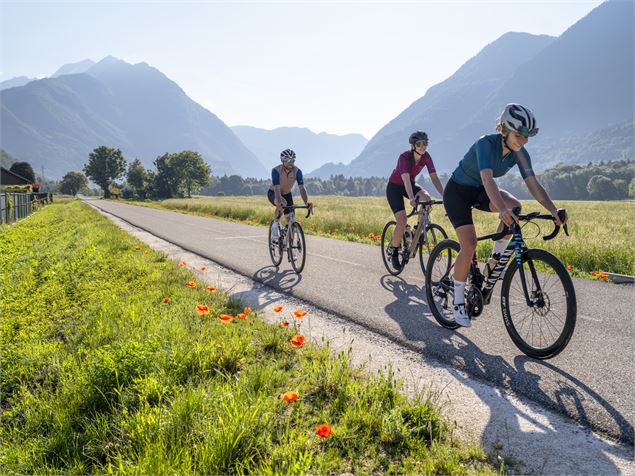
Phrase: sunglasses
x=421 y=143
x=288 y=161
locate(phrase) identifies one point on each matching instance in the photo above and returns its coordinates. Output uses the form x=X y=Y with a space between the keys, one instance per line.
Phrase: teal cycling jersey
x=487 y=153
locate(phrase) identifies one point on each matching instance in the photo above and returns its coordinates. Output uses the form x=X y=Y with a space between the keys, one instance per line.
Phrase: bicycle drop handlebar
x=415 y=209
x=562 y=213
x=294 y=207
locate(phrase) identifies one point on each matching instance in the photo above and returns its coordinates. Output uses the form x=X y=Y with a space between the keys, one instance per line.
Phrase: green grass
x=602 y=233
x=100 y=376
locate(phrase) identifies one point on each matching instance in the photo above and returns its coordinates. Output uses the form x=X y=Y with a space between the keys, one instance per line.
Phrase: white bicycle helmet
x=520 y=119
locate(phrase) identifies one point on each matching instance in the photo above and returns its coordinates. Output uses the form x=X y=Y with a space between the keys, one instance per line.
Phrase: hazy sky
x=332 y=66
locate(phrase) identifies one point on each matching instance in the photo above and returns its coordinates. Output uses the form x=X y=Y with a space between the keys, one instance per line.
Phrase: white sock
x=459 y=292
x=500 y=246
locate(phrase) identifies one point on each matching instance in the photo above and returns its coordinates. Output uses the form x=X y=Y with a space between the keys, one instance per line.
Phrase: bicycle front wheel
x=297 y=247
x=386 y=239
x=440 y=282
x=434 y=234
x=275 y=248
x=541 y=320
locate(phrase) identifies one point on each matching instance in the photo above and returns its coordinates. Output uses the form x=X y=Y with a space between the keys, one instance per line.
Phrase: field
x=602 y=234
x=115 y=360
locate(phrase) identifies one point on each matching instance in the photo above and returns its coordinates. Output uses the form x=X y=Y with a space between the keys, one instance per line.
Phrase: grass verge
x=111 y=363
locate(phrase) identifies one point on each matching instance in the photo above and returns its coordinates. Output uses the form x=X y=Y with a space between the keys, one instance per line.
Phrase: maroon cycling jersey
x=403 y=167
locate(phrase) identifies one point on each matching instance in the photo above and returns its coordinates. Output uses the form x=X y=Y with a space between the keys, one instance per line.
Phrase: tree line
x=602 y=181
x=183 y=173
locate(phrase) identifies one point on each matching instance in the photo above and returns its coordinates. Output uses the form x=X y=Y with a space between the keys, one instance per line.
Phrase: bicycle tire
x=386 y=237
x=275 y=249
x=440 y=282
x=297 y=247
x=435 y=234
x=556 y=288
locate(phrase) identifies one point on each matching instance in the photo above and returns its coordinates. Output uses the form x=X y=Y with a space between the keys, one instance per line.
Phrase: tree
x=138 y=178
x=192 y=171
x=105 y=165
x=631 y=189
x=73 y=182
x=23 y=169
x=601 y=188
x=166 y=181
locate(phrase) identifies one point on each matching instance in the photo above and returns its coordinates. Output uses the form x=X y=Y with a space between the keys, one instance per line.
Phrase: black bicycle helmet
x=417 y=136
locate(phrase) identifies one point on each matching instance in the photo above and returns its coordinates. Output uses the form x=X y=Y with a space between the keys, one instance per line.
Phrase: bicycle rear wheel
x=542 y=329
x=297 y=247
x=386 y=239
x=440 y=282
x=434 y=234
x=275 y=247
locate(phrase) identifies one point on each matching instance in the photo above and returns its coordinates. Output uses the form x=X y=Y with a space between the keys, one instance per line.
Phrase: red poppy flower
x=211 y=289
x=299 y=314
x=290 y=396
x=191 y=284
x=284 y=323
x=277 y=308
x=241 y=316
x=166 y=300
x=202 y=309
x=297 y=341
x=247 y=310
x=226 y=318
x=324 y=430
x=137 y=248
x=203 y=268
x=569 y=267
x=182 y=264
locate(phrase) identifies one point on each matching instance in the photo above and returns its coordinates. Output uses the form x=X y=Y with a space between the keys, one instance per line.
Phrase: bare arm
x=434 y=178
x=303 y=194
x=496 y=199
x=406 y=181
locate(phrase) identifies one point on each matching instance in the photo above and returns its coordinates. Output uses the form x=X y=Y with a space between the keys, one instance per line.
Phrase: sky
x=331 y=66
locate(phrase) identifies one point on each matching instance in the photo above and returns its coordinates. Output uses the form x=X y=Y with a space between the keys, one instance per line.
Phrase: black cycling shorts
x=458 y=201
x=271 y=195
x=395 y=194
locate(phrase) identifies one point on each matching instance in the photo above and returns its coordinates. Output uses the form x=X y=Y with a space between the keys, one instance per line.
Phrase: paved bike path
x=591 y=381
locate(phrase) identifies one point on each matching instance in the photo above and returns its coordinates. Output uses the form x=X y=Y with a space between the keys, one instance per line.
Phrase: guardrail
x=15 y=206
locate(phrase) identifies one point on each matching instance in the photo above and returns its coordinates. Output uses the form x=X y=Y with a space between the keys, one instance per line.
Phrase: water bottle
x=490 y=265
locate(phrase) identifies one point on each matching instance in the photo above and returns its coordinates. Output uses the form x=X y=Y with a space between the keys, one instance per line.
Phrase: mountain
x=57 y=122
x=312 y=149
x=575 y=84
x=74 y=68
x=15 y=82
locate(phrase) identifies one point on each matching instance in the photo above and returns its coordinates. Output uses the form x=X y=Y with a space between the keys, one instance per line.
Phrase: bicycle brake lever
x=562 y=214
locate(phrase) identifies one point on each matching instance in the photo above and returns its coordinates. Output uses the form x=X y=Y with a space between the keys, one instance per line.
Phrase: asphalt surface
x=591 y=382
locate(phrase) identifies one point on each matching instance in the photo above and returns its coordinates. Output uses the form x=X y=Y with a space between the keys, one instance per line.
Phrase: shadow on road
x=284 y=281
x=541 y=381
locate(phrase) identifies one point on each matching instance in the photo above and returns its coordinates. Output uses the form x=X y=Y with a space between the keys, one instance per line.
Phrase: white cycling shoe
x=460 y=315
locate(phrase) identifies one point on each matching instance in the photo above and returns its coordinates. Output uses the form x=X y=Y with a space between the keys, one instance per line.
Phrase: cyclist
x=472 y=184
x=402 y=184
x=283 y=177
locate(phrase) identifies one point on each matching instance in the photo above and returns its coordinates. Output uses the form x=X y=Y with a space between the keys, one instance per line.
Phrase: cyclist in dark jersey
x=472 y=184
x=283 y=177
x=402 y=184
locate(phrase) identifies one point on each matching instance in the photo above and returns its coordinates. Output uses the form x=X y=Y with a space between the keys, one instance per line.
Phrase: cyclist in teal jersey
x=472 y=185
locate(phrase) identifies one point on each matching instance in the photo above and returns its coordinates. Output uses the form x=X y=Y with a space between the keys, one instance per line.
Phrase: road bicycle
x=538 y=299
x=291 y=241
x=422 y=238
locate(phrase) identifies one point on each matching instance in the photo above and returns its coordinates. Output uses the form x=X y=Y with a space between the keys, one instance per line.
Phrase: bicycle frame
x=423 y=221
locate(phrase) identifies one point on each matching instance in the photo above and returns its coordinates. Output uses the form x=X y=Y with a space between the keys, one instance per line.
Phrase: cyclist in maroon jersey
x=402 y=184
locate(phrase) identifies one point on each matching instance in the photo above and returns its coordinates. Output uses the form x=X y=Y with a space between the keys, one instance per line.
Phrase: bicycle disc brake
x=474 y=301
